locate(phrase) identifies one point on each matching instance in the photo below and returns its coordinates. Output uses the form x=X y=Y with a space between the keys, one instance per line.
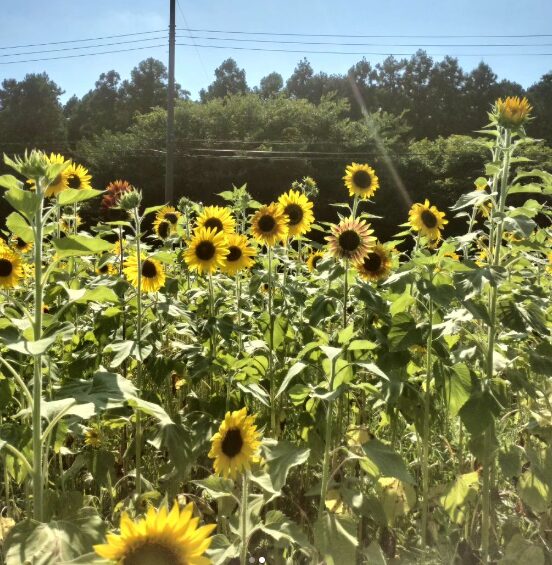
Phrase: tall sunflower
x=298 y=208
x=376 y=265
x=77 y=177
x=512 y=112
x=361 y=180
x=235 y=445
x=427 y=220
x=60 y=183
x=206 y=250
x=168 y=214
x=218 y=218
x=351 y=239
x=153 y=274
x=313 y=259
x=270 y=224
x=161 y=538
x=11 y=269
x=239 y=254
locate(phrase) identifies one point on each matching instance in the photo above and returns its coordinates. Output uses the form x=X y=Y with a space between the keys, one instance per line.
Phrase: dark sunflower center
x=148 y=269
x=163 y=229
x=234 y=253
x=6 y=267
x=213 y=223
x=232 y=443
x=152 y=553
x=315 y=260
x=103 y=269
x=294 y=213
x=172 y=218
x=20 y=244
x=372 y=262
x=429 y=219
x=362 y=179
x=205 y=251
x=266 y=223
x=349 y=240
x=73 y=181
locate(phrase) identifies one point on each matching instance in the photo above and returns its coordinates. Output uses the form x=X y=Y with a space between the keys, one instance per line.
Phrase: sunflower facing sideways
x=153 y=274
x=162 y=228
x=235 y=445
x=351 y=239
x=11 y=269
x=270 y=224
x=216 y=218
x=239 y=254
x=298 y=208
x=427 y=220
x=376 y=265
x=163 y=538
x=313 y=259
x=206 y=251
x=59 y=184
x=113 y=193
x=167 y=214
x=77 y=177
x=361 y=180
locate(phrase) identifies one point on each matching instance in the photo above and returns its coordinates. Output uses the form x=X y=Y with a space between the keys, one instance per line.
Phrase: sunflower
x=239 y=254
x=77 y=177
x=207 y=250
x=512 y=112
x=270 y=224
x=162 y=228
x=67 y=223
x=113 y=193
x=162 y=538
x=217 y=218
x=351 y=239
x=235 y=445
x=376 y=265
x=361 y=180
x=427 y=220
x=549 y=266
x=153 y=274
x=168 y=214
x=105 y=268
x=298 y=208
x=60 y=183
x=11 y=269
x=20 y=244
x=92 y=437
x=313 y=259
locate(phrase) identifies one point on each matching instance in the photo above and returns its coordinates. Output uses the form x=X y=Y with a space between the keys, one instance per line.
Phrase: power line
x=82 y=40
x=359 y=36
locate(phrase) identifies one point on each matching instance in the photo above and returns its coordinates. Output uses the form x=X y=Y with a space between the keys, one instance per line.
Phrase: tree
x=540 y=95
x=270 y=85
x=229 y=79
x=30 y=112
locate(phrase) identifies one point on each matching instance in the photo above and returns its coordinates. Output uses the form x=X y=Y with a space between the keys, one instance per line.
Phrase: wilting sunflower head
x=351 y=239
x=313 y=259
x=20 y=244
x=113 y=193
x=235 y=445
x=512 y=112
x=216 y=218
x=153 y=274
x=361 y=180
x=427 y=220
x=269 y=225
x=298 y=209
x=239 y=254
x=77 y=177
x=206 y=250
x=376 y=264
x=11 y=269
x=161 y=538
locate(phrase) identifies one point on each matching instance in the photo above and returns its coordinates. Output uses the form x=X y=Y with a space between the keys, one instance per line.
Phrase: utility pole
x=169 y=165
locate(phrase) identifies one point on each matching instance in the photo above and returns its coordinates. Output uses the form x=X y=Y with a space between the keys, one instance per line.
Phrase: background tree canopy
x=415 y=113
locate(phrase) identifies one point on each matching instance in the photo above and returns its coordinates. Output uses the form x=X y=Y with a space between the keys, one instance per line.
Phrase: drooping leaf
x=381 y=461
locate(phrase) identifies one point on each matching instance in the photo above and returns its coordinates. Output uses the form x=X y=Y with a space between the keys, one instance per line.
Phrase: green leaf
x=510 y=461
x=397 y=498
x=403 y=333
x=362 y=345
x=457 y=387
x=81 y=245
x=23 y=201
x=280 y=457
x=335 y=537
x=124 y=349
x=520 y=551
x=9 y=182
x=458 y=494
x=17 y=224
x=478 y=413
x=216 y=487
x=381 y=461
x=40 y=346
x=280 y=528
x=534 y=492
x=293 y=372
x=73 y=195
x=374 y=555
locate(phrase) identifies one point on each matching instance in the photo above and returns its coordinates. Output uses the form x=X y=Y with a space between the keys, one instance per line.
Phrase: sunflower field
x=237 y=383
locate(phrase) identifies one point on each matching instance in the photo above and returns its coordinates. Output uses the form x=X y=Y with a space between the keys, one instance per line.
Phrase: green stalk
x=425 y=434
x=138 y=414
x=243 y=520
x=271 y=348
x=345 y=293
x=491 y=338
x=38 y=482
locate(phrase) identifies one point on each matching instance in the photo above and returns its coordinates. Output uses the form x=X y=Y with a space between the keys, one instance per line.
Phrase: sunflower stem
x=138 y=414
x=355 y=206
x=243 y=520
x=345 y=293
x=271 y=348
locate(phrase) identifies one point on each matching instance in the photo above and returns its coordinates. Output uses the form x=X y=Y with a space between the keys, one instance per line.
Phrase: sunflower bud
x=130 y=200
x=512 y=112
x=33 y=165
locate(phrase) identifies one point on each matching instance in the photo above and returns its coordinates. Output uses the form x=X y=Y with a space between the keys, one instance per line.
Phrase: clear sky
x=34 y=21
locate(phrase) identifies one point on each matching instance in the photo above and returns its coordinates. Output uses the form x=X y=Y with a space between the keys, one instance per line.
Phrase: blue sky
x=33 y=21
